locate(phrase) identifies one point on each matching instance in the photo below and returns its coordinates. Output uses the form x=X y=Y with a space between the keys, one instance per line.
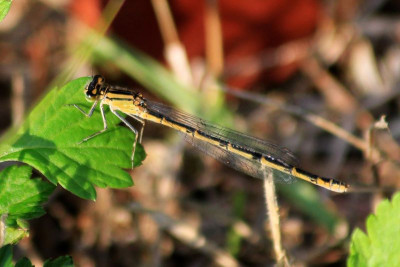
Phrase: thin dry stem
x=214 y=46
x=18 y=101
x=3 y=218
x=273 y=216
x=286 y=54
x=371 y=138
x=335 y=94
x=337 y=131
x=339 y=98
x=175 y=53
x=165 y=21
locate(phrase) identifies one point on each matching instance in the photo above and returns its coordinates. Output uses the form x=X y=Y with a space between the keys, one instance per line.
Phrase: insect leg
x=90 y=113
x=132 y=129
x=104 y=122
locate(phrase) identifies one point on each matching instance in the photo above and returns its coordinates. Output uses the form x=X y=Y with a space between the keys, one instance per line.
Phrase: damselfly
x=247 y=154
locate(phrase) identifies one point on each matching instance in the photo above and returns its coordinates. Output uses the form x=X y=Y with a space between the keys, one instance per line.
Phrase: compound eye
x=89 y=94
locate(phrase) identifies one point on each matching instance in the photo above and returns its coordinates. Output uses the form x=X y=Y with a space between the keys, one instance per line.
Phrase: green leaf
x=64 y=261
x=14 y=233
x=20 y=199
x=4 y=8
x=381 y=245
x=49 y=141
x=24 y=262
x=6 y=256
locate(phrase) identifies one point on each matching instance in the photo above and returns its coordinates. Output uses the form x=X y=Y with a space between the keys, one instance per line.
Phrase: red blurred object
x=250 y=28
x=88 y=11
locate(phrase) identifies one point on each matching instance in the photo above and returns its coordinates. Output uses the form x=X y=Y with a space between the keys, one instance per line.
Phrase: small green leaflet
x=49 y=141
x=381 y=245
x=6 y=256
x=63 y=261
x=4 y=8
x=24 y=262
x=21 y=198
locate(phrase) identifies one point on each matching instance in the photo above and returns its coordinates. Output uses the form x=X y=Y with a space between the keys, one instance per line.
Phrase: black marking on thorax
x=188 y=128
x=156 y=114
x=120 y=92
x=118 y=99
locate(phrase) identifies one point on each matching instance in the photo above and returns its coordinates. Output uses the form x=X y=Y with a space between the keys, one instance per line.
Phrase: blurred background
x=320 y=78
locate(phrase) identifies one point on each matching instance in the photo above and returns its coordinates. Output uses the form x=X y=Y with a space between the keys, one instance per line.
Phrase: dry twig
x=271 y=205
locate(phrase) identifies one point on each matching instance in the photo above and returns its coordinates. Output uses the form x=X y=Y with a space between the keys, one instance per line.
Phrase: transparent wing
x=250 y=167
x=266 y=148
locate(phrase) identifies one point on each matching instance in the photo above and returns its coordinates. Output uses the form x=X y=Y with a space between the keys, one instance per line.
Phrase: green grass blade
x=305 y=198
x=209 y=104
x=148 y=72
x=84 y=49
